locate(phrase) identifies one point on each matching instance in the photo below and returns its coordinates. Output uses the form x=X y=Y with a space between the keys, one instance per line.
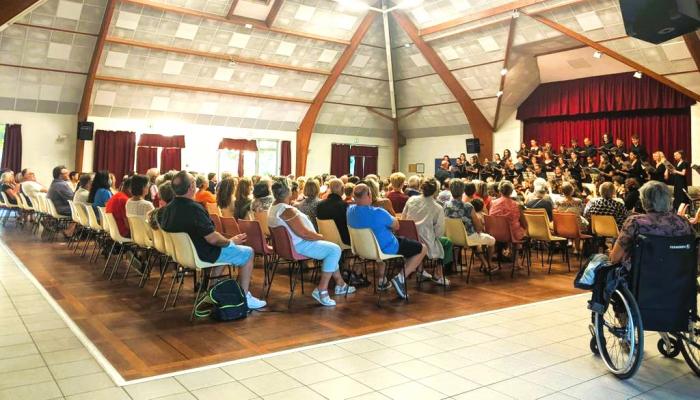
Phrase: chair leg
x=163 y=271
x=204 y=284
x=274 y=263
x=172 y=284
x=131 y=262
x=115 y=267
x=109 y=255
x=292 y=281
x=181 y=283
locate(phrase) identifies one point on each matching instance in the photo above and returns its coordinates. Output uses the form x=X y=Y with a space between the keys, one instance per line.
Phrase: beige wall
x=695 y=140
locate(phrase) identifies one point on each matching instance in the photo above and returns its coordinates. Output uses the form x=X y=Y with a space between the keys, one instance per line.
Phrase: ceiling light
x=409 y=3
x=407 y=45
x=499 y=93
x=638 y=75
x=504 y=71
x=354 y=4
x=597 y=54
x=515 y=14
x=232 y=62
x=249 y=26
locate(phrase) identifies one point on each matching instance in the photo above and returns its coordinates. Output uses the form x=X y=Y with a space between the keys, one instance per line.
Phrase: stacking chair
x=177 y=271
x=79 y=230
x=117 y=239
x=365 y=246
x=212 y=208
x=216 y=220
x=59 y=221
x=137 y=226
x=84 y=226
x=164 y=256
x=230 y=226
x=408 y=229
x=10 y=208
x=604 y=227
x=256 y=240
x=187 y=257
x=568 y=225
x=98 y=233
x=499 y=228
x=284 y=249
x=329 y=230
x=538 y=230
x=455 y=231
x=261 y=217
x=27 y=206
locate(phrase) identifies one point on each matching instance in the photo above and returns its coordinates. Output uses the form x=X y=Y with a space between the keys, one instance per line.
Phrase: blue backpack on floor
x=228 y=302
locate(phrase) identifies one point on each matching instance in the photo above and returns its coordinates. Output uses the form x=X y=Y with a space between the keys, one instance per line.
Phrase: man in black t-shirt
x=183 y=214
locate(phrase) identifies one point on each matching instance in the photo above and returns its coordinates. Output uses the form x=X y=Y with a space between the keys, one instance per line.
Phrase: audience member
x=225 y=197
x=203 y=195
x=73 y=178
x=333 y=207
x=137 y=205
x=29 y=186
x=606 y=205
x=542 y=201
x=262 y=197
x=310 y=202
x=100 y=192
x=83 y=193
x=505 y=206
x=378 y=201
x=60 y=191
x=9 y=187
x=397 y=197
x=117 y=207
x=413 y=185
x=213 y=182
x=241 y=206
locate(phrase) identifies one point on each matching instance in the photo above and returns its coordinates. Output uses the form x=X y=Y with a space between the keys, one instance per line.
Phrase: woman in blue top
x=99 y=192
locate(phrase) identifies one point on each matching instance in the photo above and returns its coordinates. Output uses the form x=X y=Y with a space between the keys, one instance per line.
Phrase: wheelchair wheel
x=594 y=346
x=619 y=334
x=671 y=352
x=691 y=347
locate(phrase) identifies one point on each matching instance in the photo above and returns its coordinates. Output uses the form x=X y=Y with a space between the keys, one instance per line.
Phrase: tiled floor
x=534 y=351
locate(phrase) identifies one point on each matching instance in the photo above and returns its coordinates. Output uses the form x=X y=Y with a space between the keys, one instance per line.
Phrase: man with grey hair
x=183 y=214
x=606 y=205
x=333 y=207
x=659 y=220
x=363 y=215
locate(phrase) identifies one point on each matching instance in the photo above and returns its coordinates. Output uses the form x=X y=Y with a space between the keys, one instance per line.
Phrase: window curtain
x=365 y=160
x=12 y=150
x=156 y=140
x=146 y=158
x=618 y=104
x=286 y=158
x=170 y=159
x=242 y=145
x=114 y=151
x=340 y=159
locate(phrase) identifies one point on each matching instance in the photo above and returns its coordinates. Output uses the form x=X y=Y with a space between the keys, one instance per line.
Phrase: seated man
x=60 y=191
x=30 y=186
x=363 y=215
x=333 y=207
x=183 y=214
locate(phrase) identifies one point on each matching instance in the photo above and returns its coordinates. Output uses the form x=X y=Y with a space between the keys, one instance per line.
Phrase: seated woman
x=429 y=218
x=308 y=243
x=379 y=201
x=224 y=197
x=309 y=205
x=165 y=196
x=606 y=205
x=659 y=220
x=570 y=204
x=465 y=211
x=100 y=192
x=9 y=187
x=541 y=200
x=632 y=201
x=262 y=198
x=243 y=201
x=505 y=206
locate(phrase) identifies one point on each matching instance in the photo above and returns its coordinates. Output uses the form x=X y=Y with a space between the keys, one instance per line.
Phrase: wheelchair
x=659 y=293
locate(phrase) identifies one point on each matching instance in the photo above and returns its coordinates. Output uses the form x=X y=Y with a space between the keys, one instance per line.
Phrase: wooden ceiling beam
x=615 y=55
x=355 y=105
x=232 y=9
x=43 y=69
x=272 y=15
x=480 y=126
x=509 y=46
x=693 y=42
x=204 y=89
x=381 y=114
x=11 y=9
x=216 y=56
x=415 y=110
x=235 y=19
x=84 y=109
x=51 y=28
x=307 y=124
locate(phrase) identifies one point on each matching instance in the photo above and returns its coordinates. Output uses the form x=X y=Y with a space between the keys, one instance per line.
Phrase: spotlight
x=232 y=62
x=249 y=26
x=597 y=54
x=504 y=71
x=638 y=75
x=499 y=93
x=407 y=45
x=515 y=14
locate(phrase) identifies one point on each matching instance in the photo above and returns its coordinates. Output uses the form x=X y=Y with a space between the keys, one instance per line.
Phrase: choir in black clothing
x=615 y=162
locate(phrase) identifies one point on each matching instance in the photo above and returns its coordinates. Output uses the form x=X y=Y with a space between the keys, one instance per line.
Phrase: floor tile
x=327 y=353
x=84 y=383
x=371 y=396
x=449 y=384
x=290 y=360
x=113 y=393
x=270 y=383
x=20 y=363
x=154 y=389
x=75 y=368
x=249 y=369
x=415 y=369
x=483 y=393
x=24 y=377
x=340 y=388
x=361 y=346
x=447 y=361
x=551 y=379
x=18 y=350
x=64 y=356
x=37 y=391
x=482 y=374
x=202 y=379
x=380 y=378
x=231 y=390
x=412 y=390
x=417 y=349
x=351 y=365
x=312 y=373
x=300 y=393
x=521 y=389
x=385 y=357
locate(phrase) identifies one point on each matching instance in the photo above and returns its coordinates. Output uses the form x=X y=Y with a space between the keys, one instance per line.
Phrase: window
x=263 y=162
x=268 y=157
x=228 y=161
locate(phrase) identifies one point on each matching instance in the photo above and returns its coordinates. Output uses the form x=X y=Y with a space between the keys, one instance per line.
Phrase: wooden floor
x=126 y=325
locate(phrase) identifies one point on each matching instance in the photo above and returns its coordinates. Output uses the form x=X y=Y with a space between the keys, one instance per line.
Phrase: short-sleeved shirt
x=603 y=206
x=509 y=208
x=456 y=208
x=658 y=224
x=117 y=207
x=204 y=196
x=398 y=200
x=379 y=221
x=186 y=215
x=333 y=207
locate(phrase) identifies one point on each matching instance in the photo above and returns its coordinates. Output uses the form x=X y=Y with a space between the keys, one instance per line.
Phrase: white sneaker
x=425 y=276
x=323 y=298
x=254 y=303
x=442 y=281
x=344 y=289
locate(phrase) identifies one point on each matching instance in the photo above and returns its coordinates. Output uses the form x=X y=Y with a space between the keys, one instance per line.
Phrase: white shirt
x=274 y=218
x=138 y=208
x=31 y=188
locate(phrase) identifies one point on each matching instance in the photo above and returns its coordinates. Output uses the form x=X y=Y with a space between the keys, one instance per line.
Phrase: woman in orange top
x=204 y=196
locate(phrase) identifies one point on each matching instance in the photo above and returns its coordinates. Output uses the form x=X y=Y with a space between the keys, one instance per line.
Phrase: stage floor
x=125 y=324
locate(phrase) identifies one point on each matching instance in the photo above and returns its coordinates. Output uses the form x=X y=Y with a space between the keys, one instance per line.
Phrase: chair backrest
x=138 y=234
x=92 y=218
x=255 y=237
x=230 y=226
x=25 y=200
x=329 y=230
x=364 y=244
x=43 y=201
x=82 y=214
x=537 y=211
x=537 y=227
x=20 y=201
x=159 y=241
x=604 y=225
x=103 y=219
x=216 y=219
x=51 y=208
x=455 y=231
x=567 y=225
x=169 y=246
x=408 y=229
x=261 y=217
x=114 y=229
x=5 y=200
x=185 y=253
x=498 y=227
x=73 y=213
x=212 y=208
x=282 y=243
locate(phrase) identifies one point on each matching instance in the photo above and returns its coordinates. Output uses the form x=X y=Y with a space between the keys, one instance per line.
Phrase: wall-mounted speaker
x=85 y=130
x=657 y=21
x=473 y=146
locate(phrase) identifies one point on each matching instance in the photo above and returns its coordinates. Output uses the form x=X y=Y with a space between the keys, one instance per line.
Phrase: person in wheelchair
x=659 y=220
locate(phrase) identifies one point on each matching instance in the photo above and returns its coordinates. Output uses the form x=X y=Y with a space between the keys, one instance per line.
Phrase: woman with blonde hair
x=9 y=186
x=658 y=174
x=243 y=200
x=310 y=201
x=378 y=201
x=224 y=196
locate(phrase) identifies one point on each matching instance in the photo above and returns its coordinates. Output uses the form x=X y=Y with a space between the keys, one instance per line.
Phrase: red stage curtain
x=340 y=159
x=114 y=151
x=667 y=131
x=365 y=151
x=609 y=93
x=370 y=165
x=286 y=158
x=146 y=157
x=155 y=140
x=12 y=150
x=238 y=144
x=170 y=159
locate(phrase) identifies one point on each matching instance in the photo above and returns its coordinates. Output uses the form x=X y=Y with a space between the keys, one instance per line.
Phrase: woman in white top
x=308 y=243
x=429 y=217
x=137 y=206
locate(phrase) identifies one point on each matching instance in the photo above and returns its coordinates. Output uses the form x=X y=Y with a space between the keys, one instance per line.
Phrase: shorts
x=408 y=248
x=480 y=239
x=235 y=255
